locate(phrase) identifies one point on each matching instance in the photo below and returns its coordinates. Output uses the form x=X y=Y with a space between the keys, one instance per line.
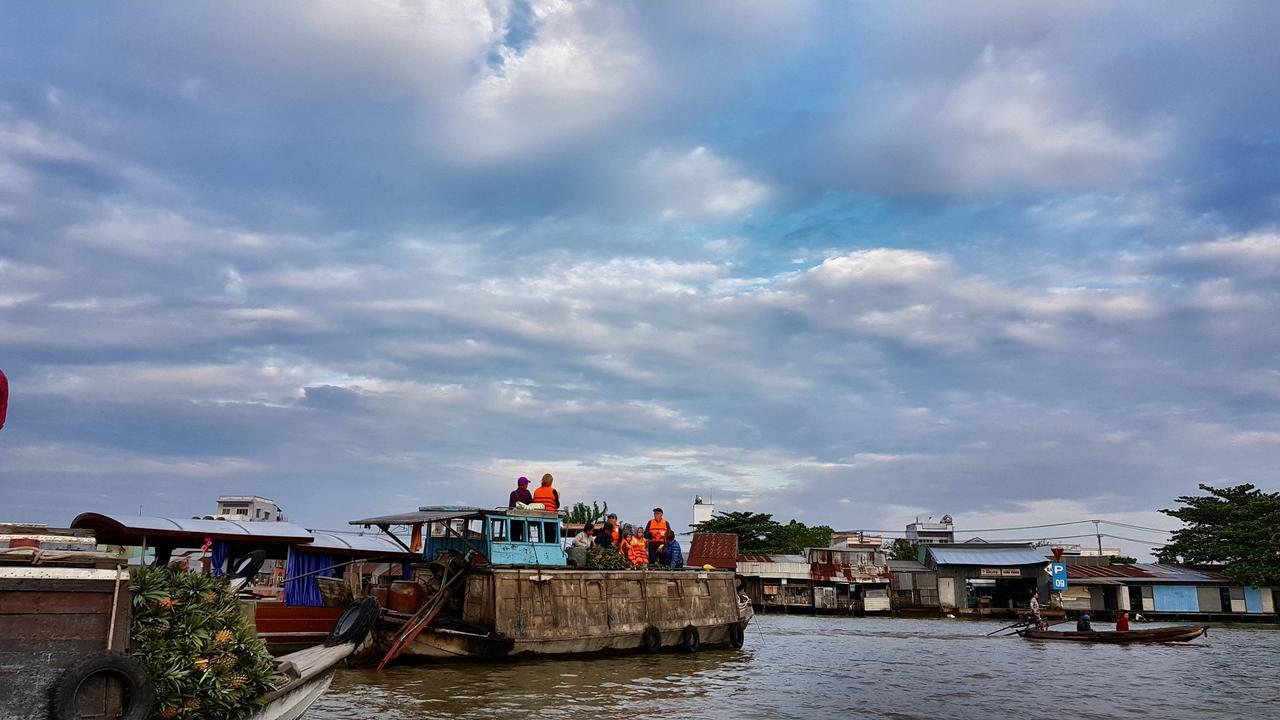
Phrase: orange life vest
x=546 y=495
x=637 y=552
x=615 y=536
x=656 y=530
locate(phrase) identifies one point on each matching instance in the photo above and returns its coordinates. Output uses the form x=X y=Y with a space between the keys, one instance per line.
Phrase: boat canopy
x=503 y=536
x=272 y=536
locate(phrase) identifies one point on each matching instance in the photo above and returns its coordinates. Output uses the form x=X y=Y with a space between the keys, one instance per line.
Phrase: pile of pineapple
x=203 y=655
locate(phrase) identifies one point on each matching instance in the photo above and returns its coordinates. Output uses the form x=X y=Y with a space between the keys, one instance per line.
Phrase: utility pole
x=1099 y=534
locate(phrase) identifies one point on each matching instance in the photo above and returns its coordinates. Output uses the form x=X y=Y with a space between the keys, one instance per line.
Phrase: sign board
x=1058 y=576
x=989 y=572
x=1010 y=572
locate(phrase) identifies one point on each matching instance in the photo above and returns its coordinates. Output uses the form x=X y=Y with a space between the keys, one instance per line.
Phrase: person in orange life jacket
x=616 y=532
x=637 y=553
x=656 y=531
x=547 y=495
x=521 y=493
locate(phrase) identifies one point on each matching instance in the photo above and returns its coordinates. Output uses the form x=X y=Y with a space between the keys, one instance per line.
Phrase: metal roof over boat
x=131 y=529
x=985 y=555
x=438 y=513
x=358 y=544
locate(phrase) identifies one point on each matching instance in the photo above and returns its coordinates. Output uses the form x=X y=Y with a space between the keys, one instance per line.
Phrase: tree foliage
x=204 y=657
x=903 y=549
x=759 y=533
x=581 y=513
x=1238 y=527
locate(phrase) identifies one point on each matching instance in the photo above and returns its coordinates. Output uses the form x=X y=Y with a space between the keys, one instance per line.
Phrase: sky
x=848 y=263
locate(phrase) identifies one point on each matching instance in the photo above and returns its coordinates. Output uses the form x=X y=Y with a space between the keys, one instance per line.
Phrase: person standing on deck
x=582 y=542
x=521 y=493
x=547 y=495
x=1122 y=622
x=671 y=555
x=1083 y=624
x=1035 y=610
x=656 y=532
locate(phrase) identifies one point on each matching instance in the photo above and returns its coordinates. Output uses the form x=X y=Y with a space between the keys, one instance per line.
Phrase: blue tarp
x=1253 y=600
x=1175 y=598
x=221 y=549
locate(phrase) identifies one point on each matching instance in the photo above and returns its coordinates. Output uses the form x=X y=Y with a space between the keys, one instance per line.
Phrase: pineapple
x=167 y=603
x=238 y=680
x=222 y=637
x=224 y=663
x=170 y=712
x=209 y=598
x=191 y=705
x=201 y=664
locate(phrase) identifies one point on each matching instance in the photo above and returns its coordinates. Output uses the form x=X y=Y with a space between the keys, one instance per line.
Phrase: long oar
x=1017 y=632
x=1006 y=627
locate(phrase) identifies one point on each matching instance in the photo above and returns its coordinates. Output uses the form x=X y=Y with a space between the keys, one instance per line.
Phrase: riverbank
x=805 y=667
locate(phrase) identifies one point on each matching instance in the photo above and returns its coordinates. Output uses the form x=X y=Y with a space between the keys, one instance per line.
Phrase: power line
x=1137 y=527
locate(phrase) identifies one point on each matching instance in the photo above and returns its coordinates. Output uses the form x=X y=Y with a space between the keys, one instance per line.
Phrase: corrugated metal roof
x=907 y=566
x=421 y=516
x=978 y=555
x=718 y=550
x=1141 y=573
x=754 y=557
x=130 y=529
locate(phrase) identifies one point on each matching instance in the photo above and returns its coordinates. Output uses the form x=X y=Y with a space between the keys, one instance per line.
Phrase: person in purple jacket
x=521 y=493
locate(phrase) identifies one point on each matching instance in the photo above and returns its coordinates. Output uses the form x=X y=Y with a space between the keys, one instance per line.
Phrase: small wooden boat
x=1181 y=633
x=308 y=674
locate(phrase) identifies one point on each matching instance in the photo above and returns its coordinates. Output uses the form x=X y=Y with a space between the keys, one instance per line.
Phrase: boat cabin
x=503 y=536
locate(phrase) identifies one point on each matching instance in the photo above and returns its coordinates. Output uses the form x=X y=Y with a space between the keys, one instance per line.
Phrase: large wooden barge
x=502 y=588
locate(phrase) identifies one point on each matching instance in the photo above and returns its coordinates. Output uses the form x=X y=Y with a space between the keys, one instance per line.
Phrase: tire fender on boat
x=737 y=635
x=354 y=623
x=689 y=639
x=249 y=565
x=140 y=694
x=651 y=640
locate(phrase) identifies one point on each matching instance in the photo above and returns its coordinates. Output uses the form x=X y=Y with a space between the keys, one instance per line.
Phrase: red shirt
x=4 y=397
x=1122 y=623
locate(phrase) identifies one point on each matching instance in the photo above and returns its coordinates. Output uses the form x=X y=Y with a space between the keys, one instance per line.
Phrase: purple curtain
x=221 y=549
x=299 y=590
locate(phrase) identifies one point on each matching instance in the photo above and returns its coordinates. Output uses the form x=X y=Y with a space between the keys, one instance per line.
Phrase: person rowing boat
x=1035 y=610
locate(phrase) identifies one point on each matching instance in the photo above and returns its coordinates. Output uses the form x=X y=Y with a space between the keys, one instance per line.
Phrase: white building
x=932 y=533
x=702 y=511
x=247 y=507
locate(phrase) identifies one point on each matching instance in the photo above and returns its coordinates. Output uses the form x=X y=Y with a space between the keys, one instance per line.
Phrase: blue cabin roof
x=504 y=536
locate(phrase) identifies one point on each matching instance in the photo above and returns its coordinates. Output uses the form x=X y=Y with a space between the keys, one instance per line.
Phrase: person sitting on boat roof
x=670 y=554
x=1122 y=622
x=521 y=493
x=547 y=495
x=581 y=543
x=656 y=532
x=1083 y=625
x=605 y=536
x=637 y=550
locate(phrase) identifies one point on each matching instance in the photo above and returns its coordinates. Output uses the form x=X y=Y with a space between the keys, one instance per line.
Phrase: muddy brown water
x=804 y=667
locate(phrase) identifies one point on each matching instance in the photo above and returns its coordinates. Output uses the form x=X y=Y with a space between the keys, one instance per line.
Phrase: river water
x=806 y=667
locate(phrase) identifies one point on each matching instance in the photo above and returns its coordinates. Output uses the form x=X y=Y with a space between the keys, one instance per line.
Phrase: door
x=947 y=592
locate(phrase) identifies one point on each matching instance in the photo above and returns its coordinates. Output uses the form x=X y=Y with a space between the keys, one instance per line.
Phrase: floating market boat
x=68 y=643
x=1181 y=633
x=495 y=583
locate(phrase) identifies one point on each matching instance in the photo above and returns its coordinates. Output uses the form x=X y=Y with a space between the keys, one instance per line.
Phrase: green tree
x=760 y=533
x=580 y=513
x=903 y=549
x=1122 y=560
x=1238 y=527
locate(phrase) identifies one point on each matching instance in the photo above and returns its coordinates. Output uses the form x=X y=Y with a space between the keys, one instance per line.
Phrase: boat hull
x=512 y=612
x=1155 y=635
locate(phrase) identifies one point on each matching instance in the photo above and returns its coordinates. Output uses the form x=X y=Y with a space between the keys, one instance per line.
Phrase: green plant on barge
x=202 y=654
x=606 y=558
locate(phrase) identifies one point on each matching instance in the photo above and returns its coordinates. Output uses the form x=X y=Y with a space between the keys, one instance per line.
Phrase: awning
x=990 y=557
x=355 y=544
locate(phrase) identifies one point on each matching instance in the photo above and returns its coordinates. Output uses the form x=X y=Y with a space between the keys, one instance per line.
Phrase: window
x=517 y=531
x=535 y=532
x=242 y=511
x=498 y=530
x=551 y=532
x=475 y=528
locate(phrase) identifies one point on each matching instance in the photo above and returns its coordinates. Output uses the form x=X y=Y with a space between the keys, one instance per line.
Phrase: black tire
x=690 y=640
x=737 y=636
x=651 y=640
x=249 y=565
x=355 y=623
x=139 y=693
